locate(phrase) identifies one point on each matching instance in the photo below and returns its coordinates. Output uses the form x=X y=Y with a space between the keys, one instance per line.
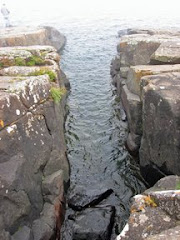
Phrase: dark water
x=95 y=133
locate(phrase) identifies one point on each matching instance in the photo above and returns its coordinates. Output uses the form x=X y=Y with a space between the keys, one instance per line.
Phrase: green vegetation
x=178 y=186
x=34 y=60
x=31 y=61
x=20 y=61
x=57 y=93
x=1 y=65
x=51 y=74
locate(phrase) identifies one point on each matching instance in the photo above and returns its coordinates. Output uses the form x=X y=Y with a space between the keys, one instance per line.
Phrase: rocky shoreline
x=146 y=73
x=33 y=165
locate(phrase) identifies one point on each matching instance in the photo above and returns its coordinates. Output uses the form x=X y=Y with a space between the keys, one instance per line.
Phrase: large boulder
x=33 y=163
x=27 y=36
x=161 y=126
x=137 y=49
x=155 y=213
x=167 y=53
x=137 y=72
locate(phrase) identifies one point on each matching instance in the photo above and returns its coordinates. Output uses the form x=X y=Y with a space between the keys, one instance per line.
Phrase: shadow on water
x=95 y=133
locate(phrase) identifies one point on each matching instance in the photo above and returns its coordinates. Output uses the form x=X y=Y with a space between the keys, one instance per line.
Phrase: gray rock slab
x=145 y=219
x=23 y=233
x=161 y=108
x=170 y=234
x=94 y=223
x=136 y=73
x=133 y=109
x=167 y=53
x=27 y=36
x=137 y=49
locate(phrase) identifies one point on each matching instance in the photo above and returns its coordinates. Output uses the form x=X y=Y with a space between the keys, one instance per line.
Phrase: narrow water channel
x=95 y=133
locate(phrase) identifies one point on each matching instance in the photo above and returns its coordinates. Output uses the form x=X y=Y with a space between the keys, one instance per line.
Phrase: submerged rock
x=94 y=223
x=82 y=198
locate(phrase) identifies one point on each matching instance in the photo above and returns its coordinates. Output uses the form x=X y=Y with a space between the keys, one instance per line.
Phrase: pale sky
x=127 y=8
x=80 y=6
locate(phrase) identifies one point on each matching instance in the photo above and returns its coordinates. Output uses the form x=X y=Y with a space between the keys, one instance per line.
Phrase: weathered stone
x=161 y=130
x=23 y=233
x=44 y=227
x=65 y=80
x=28 y=36
x=169 y=201
x=170 y=234
x=151 y=31
x=81 y=198
x=145 y=219
x=124 y=72
x=133 y=143
x=31 y=131
x=14 y=206
x=168 y=52
x=137 y=72
x=115 y=66
x=52 y=186
x=5 y=235
x=171 y=182
x=133 y=109
x=95 y=223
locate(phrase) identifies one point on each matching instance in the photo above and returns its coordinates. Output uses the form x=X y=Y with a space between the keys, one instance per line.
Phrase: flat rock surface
x=27 y=36
x=168 y=52
x=137 y=72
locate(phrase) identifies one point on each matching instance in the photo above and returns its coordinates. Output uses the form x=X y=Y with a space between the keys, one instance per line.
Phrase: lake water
x=95 y=134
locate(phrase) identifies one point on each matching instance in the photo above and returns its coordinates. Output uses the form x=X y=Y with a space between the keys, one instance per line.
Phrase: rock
x=115 y=66
x=137 y=49
x=94 y=224
x=81 y=198
x=146 y=219
x=5 y=235
x=33 y=163
x=133 y=143
x=28 y=36
x=133 y=109
x=170 y=234
x=44 y=227
x=167 y=53
x=160 y=143
x=155 y=213
x=23 y=234
x=56 y=39
x=137 y=72
x=124 y=72
x=171 y=182
x=168 y=201
x=65 y=80
x=52 y=186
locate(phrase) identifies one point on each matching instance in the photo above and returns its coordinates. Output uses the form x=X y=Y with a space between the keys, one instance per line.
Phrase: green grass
x=57 y=93
x=31 y=61
x=34 y=60
x=1 y=65
x=51 y=74
x=178 y=186
x=20 y=61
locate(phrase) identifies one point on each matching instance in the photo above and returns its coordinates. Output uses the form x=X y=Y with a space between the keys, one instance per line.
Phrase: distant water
x=95 y=133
